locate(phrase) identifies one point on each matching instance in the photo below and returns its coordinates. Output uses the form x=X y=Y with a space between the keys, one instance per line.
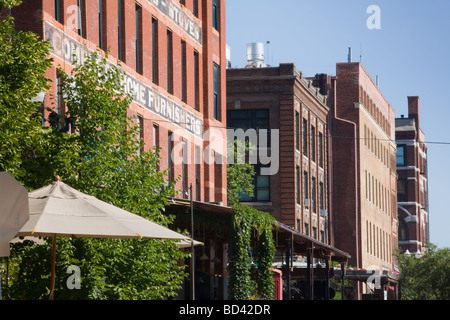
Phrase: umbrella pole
x=52 y=276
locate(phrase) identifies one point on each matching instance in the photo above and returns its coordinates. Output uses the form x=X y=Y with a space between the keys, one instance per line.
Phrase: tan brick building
x=364 y=178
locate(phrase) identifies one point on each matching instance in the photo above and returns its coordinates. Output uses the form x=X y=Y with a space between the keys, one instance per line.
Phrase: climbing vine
x=251 y=229
x=246 y=221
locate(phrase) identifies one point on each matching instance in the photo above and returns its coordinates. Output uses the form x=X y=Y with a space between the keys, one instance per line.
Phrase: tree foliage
x=102 y=156
x=246 y=222
x=427 y=277
x=23 y=63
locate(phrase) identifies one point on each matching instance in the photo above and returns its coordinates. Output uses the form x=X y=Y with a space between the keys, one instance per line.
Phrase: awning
x=202 y=206
x=303 y=242
x=282 y=231
x=386 y=276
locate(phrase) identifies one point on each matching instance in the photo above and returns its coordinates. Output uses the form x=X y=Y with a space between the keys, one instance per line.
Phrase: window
x=249 y=119
x=367 y=236
x=156 y=139
x=321 y=196
x=297 y=130
x=378 y=242
x=376 y=193
x=306 y=229
x=59 y=11
x=373 y=191
x=320 y=145
x=313 y=143
x=184 y=168
x=170 y=174
x=155 y=136
x=373 y=240
x=400 y=156
x=262 y=187
x=218 y=172
x=138 y=40
x=298 y=184
x=183 y=72
x=216 y=92
x=169 y=62
x=305 y=137
x=365 y=135
x=102 y=24
x=154 y=51
x=261 y=192
x=196 y=81
x=195 y=8
x=305 y=185
x=367 y=196
x=313 y=194
x=121 y=29
x=140 y=134
x=401 y=190
x=81 y=18
x=197 y=172
x=215 y=13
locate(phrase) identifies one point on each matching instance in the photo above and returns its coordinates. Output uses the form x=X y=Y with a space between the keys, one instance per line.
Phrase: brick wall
x=210 y=47
x=284 y=92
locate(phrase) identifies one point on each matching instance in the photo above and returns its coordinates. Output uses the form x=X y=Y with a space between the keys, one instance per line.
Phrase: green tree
x=426 y=277
x=102 y=156
x=23 y=63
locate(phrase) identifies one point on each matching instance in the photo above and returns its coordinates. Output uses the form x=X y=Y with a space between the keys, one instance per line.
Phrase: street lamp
x=418 y=254
x=192 y=247
x=39 y=97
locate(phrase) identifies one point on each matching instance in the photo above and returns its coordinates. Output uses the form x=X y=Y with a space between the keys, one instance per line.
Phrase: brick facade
x=299 y=189
x=412 y=173
x=189 y=88
x=363 y=173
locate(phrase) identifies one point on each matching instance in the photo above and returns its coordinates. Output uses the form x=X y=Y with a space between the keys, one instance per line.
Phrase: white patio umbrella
x=58 y=210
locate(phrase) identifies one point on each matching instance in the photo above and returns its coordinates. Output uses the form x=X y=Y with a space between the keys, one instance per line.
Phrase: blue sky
x=410 y=53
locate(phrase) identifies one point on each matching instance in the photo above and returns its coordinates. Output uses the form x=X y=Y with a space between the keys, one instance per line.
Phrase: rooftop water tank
x=255 y=54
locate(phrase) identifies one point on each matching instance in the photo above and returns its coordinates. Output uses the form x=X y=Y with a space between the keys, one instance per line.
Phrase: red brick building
x=412 y=184
x=173 y=53
x=363 y=172
x=174 y=57
x=279 y=98
x=293 y=184
x=363 y=176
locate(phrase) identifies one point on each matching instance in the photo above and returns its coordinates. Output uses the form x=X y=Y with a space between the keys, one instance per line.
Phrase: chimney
x=413 y=109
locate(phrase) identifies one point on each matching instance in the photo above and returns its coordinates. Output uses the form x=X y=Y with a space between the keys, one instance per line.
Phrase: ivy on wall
x=246 y=221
